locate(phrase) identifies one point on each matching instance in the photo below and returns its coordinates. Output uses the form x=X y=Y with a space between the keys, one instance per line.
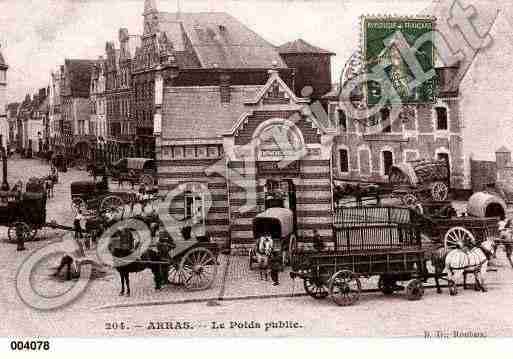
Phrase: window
x=342 y=120
x=388 y=161
x=343 y=160
x=441 y=118
x=385 y=120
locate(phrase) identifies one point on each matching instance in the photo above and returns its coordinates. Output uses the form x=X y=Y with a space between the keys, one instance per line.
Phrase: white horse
x=470 y=261
x=263 y=250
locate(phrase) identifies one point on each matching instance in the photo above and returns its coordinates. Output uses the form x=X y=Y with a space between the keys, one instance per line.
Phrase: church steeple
x=150 y=7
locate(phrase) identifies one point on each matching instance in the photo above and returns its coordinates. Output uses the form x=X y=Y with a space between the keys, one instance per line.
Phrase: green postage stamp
x=399 y=58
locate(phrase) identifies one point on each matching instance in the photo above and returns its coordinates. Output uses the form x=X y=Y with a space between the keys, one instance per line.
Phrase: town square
x=201 y=172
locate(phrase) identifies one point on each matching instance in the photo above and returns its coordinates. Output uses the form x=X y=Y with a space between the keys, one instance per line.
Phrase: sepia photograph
x=243 y=168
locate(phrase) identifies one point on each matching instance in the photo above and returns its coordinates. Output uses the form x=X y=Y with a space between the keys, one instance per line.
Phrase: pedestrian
x=317 y=242
x=276 y=266
x=20 y=238
x=77 y=226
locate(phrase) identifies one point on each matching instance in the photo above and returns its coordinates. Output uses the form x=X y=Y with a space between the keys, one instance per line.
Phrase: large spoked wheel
x=439 y=191
x=78 y=204
x=175 y=275
x=112 y=204
x=415 y=289
x=315 y=288
x=345 y=288
x=199 y=267
x=458 y=236
x=409 y=200
x=18 y=228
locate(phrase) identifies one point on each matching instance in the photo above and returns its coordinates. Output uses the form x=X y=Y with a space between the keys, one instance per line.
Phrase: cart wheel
x=415 y=289
x=20 y=226
x=315 y=288
x=113 y=204
x=439 y=191
x=147 y=180
x=78 y=204
x=345 y=288
x=199 y=266
x=386 y=287
x=175 y=275
x=458 y=235
x=409 y=200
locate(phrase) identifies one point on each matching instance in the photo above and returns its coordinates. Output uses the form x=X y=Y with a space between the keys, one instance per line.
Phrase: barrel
x=484 y=204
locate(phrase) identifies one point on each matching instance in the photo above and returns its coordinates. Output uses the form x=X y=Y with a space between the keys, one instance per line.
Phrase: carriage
x=23 y=213
x=134 y=170
x=420 y=180
x=95 y=196
x=279 y=224
x=369 y=241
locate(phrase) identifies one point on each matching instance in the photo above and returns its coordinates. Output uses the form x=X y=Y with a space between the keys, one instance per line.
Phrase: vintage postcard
x=245 y=168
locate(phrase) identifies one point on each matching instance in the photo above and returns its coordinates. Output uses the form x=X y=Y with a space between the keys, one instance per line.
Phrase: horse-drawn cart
x=420 y=180
x=23 y=213
x=279 y=224
x=379 y=241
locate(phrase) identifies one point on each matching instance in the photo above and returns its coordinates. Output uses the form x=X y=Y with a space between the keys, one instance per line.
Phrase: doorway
x=281 y=193
x=388 y=162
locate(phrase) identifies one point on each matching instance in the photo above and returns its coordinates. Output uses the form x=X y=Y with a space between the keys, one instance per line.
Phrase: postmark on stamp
x=399 y=52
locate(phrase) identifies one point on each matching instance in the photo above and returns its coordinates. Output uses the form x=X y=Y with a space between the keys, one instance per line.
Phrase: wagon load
x=420 y=179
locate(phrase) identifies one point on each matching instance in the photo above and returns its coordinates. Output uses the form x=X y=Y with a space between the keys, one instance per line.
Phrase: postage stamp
x=399 y=50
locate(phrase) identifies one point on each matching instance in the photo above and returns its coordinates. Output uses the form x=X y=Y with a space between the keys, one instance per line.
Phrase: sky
x=37 y=35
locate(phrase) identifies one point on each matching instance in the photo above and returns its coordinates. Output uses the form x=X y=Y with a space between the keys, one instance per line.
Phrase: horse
x=156 y=259
x=506 y=237
x=470 y=261
x=263 y=250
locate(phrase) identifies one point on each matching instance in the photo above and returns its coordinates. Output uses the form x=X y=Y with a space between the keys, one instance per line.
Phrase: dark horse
x=154 y=259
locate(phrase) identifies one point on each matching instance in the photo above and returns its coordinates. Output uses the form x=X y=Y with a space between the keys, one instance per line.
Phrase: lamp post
x=5 y=185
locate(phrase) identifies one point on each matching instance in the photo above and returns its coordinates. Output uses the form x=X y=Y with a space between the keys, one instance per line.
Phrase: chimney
x=224 y=88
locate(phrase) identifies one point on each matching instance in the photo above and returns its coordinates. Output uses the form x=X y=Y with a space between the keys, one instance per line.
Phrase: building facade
x=76 y=108
x=4 y=124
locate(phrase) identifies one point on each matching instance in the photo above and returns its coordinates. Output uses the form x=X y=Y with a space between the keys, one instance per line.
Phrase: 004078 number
x=20 y=345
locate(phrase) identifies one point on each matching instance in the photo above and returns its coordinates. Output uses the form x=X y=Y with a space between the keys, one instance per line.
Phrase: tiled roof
x=300 y=46
x=78 y=77
x=217 y=39
x=198 y=111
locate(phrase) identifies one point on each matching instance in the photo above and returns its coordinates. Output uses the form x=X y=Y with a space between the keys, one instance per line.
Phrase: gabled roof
x=77 y=77
x=300 y=46
x=216 y=39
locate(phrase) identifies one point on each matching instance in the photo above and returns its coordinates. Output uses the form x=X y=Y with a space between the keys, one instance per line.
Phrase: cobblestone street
x=396 y=316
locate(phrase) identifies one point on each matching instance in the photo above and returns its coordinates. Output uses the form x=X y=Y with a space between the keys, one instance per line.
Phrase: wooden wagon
x=134 y=170
x=420 y=180
x=23 y=213
x=369 y=241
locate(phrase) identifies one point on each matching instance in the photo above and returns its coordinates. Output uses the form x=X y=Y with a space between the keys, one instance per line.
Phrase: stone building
x=54 y=101
x=76 y=107
x=4 y=124
x=12 y=120
x=121 y=123
x=98 y=122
